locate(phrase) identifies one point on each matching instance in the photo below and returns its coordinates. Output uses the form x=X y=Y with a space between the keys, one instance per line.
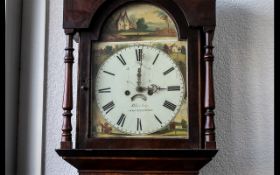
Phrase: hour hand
x=139 y=58
x=138 y=88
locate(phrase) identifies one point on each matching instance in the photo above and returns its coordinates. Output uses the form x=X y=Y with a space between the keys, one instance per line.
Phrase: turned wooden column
x=67 y=104
x=209 y=99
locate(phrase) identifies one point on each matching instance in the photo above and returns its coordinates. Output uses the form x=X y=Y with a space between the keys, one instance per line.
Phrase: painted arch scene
x=139 y=22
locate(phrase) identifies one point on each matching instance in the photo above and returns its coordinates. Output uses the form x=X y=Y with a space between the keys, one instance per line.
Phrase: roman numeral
x=104 y=90
x=168 y=71
x=173 y=88
x=139 y=54
x=108 y=107
x=158 y=119
x=121 y=120
x=139 y=125
x=169 y=105
x=155 y=59
x=110 y=73
x=120 y=57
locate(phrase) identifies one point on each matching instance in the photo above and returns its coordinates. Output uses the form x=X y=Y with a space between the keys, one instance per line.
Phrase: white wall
x=243 y=70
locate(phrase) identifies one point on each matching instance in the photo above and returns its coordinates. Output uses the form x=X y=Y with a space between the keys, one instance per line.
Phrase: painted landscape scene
x=139 y=22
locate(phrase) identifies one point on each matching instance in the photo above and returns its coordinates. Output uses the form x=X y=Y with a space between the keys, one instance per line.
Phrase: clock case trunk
x=195 y=21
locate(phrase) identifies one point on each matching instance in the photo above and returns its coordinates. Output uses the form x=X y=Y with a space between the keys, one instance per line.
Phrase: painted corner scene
x=140 y=24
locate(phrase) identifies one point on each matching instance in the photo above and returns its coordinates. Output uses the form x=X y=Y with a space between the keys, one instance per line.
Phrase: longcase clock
x=145 y=102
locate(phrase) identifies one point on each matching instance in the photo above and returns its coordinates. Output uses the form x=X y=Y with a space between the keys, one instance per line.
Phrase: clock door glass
x=139 y=71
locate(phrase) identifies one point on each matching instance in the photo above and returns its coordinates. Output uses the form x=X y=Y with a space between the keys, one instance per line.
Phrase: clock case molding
x=195 y=21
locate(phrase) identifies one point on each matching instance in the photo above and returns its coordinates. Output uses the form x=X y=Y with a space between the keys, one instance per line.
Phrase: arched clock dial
x=139 y=90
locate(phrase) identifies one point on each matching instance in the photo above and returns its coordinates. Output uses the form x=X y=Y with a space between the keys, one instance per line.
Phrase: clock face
x=139 y=90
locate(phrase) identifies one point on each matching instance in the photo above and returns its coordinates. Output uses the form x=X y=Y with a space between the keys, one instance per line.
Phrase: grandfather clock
x=145 y=102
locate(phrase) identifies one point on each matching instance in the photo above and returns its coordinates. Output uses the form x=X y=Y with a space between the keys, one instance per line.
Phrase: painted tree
x=184 y=123
x=141 y=25
x=166 y=48
x=172 y=126
x=183 y=50
x=108 y=50
x=162 y=15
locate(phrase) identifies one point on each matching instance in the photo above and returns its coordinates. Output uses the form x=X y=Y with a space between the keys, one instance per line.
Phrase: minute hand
x=154 y=88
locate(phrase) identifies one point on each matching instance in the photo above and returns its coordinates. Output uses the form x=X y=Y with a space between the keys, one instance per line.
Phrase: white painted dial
x=139 y=89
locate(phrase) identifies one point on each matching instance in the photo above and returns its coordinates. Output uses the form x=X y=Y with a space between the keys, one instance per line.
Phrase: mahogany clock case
x=195 y=22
